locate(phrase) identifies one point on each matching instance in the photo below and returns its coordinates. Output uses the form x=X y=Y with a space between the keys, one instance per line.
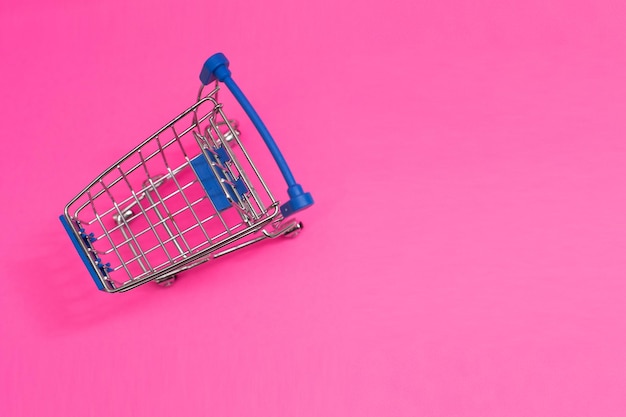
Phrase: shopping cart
x=187 y=194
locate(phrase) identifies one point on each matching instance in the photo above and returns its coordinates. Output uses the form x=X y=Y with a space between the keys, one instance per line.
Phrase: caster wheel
x=294 y=230
x=167 y=281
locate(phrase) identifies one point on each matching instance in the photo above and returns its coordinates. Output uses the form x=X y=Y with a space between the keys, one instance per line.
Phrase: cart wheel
x=226 y=132
x=294 y=230
x=166 y=281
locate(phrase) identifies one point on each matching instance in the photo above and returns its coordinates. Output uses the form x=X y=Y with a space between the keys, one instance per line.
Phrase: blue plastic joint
x=81 y=252
x=216 y=68
x=298 y=200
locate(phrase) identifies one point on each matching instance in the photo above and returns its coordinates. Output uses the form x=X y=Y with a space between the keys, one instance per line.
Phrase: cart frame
x=225 y=172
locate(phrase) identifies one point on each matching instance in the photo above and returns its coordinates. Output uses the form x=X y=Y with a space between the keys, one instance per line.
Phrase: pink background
x=465 y=256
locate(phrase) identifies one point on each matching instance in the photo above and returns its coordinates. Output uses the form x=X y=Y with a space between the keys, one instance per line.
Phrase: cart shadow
x=57 y=292
x=62 y=299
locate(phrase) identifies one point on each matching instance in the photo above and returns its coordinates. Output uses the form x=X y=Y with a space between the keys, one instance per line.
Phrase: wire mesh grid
x=152 y=210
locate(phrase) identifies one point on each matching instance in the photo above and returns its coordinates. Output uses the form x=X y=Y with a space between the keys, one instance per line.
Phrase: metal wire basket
x=187 y=194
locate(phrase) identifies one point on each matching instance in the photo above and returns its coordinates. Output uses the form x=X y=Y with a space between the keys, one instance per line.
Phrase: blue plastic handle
x=216 y=68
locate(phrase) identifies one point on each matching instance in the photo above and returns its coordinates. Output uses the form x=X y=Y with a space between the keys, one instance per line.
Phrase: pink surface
x=464 y=257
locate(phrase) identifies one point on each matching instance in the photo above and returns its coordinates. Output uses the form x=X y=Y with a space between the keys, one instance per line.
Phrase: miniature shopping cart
x=187 y=194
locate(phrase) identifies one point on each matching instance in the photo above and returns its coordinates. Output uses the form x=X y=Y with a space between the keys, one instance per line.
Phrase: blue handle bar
x=216 y=68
